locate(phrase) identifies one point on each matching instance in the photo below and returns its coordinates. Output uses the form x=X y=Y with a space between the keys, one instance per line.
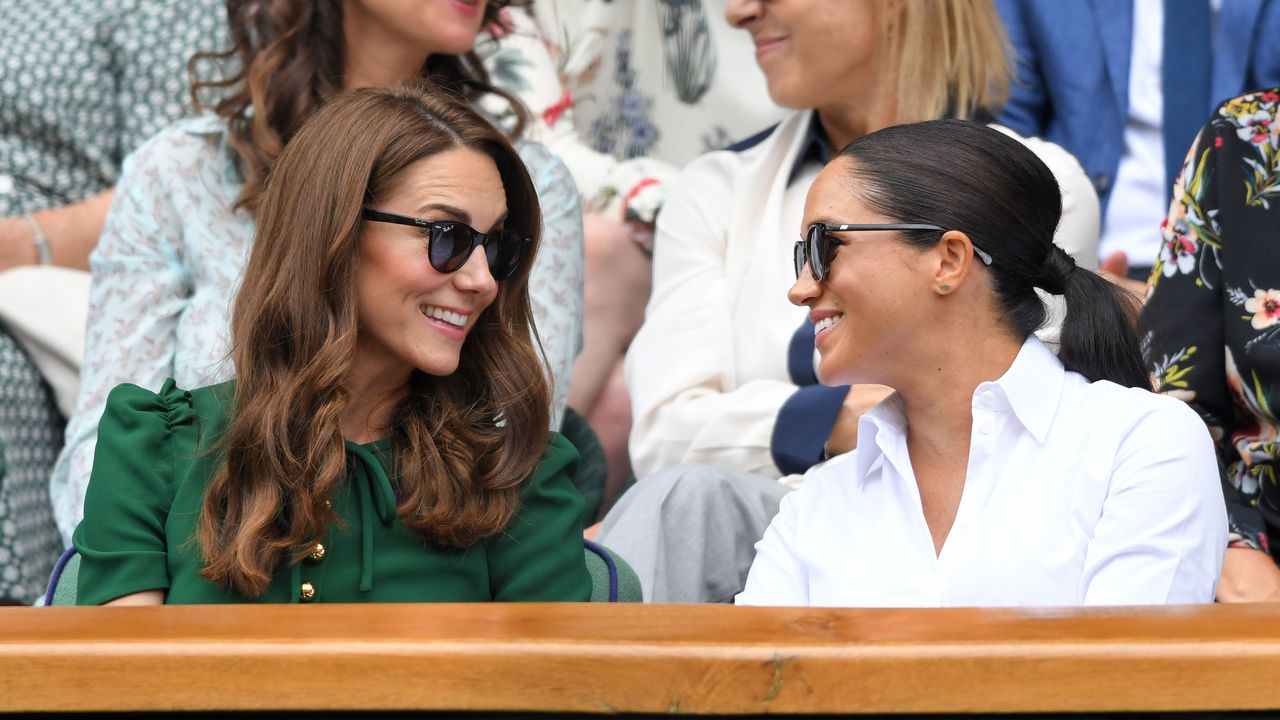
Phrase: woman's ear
x=955 y=261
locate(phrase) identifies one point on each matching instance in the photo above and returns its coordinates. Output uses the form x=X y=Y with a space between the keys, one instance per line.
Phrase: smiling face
x=410 y=316
x=869 y=308
x=810 y=50
x=447 y=27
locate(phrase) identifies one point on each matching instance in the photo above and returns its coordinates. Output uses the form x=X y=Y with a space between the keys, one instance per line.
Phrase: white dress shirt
x=1137 y=205
x=1076 y=493
x=707 y=371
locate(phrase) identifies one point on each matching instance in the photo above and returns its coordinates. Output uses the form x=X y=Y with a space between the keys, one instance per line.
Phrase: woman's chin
x=438 y=366
x=837 y=374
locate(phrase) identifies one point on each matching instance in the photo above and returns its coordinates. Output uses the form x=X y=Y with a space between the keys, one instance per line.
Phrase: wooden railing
x=642 y=659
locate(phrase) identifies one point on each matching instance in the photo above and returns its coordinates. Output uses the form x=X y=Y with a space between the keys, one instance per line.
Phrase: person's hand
x=1248 y=575
x=17 y=247
x=1117 y=263
x=861 y=398
x=1115 y=267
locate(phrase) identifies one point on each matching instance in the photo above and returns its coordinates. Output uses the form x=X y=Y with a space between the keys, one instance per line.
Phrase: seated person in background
x=722 y=374
x=76 y=96
x=181 y=226
x=1213 y=314
x=996 y=473
x=654 y=85
x=1124 y=84
x=385 y=438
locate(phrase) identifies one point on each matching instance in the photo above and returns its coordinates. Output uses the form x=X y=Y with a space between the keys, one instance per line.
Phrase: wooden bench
x=637 y=659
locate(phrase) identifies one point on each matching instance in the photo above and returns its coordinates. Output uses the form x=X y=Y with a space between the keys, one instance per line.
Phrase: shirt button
x=317 y=553
x=986 y=399
x=984 y=426
x=307 y=593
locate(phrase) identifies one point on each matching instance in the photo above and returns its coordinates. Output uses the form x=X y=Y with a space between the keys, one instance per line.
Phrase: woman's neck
x=373 y=390
x=937 y=401
x=859 y=111
x=368 y=68
x=373 y=58
x=938 y=396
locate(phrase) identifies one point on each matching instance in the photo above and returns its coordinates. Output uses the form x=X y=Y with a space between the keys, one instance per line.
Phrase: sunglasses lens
x=797 y=257
x=817 y=252
x=504 y=251
x=450 y=246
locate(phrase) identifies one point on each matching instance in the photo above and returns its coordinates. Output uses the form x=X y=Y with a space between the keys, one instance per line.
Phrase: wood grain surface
x=632 y=658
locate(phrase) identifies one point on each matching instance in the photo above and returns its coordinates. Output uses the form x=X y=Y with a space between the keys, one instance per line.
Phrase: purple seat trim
x=57 y=574
x=608 y=563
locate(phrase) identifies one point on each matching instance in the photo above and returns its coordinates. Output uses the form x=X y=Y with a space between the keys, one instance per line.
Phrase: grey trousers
x=690 y=532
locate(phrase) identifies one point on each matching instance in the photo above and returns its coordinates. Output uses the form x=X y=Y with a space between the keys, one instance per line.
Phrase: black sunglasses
x=449 y=243
x=818 y=248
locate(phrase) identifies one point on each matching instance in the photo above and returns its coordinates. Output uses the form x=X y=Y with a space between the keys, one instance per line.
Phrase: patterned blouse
x=83 y=83
x=170 y=259
x=1213 y=307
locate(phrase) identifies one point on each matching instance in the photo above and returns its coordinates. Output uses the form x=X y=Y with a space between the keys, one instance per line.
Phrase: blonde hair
x=954 y=57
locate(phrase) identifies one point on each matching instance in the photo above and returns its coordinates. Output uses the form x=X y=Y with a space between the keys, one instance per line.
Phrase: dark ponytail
x=967 y=176
x=1099 y=332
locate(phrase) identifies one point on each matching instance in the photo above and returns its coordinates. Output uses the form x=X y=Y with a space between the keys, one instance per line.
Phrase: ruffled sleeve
x=142 y=438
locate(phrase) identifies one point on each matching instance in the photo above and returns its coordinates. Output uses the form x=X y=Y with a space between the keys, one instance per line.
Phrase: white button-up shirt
x=1076 y=493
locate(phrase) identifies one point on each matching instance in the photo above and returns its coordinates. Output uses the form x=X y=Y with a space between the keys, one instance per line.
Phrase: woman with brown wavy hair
x=181 y=227
x=385 y=438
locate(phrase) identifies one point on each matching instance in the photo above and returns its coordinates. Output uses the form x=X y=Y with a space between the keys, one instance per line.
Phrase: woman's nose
x=805 y=290
x=474 y=275
x=740 y=12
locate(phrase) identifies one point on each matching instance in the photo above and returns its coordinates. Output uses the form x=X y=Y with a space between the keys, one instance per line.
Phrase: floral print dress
x=627 y=92
x=1213 y=310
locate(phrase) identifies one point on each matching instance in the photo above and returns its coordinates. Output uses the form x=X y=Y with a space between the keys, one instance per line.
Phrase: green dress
x=157 y=454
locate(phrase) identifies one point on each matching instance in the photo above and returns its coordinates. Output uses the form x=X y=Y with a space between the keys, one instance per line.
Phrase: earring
x=945 y=288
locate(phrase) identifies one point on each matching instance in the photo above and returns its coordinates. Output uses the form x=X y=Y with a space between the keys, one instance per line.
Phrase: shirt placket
x=897 y=460
x=956 y=552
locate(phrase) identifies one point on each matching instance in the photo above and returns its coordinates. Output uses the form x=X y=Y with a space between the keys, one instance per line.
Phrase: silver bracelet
x=44 y=253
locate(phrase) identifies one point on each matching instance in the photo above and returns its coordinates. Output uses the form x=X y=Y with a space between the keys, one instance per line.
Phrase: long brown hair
x=464 y=443
x=286 y=59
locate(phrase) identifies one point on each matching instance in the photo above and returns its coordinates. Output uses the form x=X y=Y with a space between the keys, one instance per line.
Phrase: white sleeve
x=138 y=292
x=1163 y=530
x=688 y=403
x=777 y=576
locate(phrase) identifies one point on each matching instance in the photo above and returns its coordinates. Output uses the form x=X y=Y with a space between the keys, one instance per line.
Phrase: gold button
x=328 y=504
x=318 y=553
x=308 y=592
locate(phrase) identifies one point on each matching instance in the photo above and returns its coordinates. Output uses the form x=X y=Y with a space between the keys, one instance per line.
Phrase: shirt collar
x=878 y=429
x=814 y=148
x=1030 y=387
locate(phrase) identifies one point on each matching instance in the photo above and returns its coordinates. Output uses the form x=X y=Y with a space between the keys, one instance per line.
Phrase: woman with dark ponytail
x=997 y=473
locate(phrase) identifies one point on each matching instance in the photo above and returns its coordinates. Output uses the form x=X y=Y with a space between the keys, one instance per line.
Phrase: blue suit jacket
x=1073 y=71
